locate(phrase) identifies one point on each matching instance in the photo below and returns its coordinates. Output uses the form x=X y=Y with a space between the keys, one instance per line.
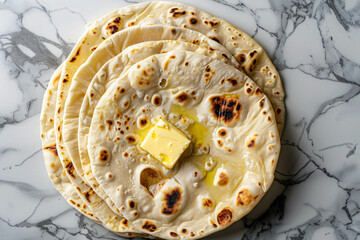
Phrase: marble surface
x=314 y=45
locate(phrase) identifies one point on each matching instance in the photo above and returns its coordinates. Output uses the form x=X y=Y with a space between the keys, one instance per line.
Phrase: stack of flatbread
x=163 y=122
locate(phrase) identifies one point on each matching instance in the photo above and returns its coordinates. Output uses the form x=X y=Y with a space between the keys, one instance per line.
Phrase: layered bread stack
x=163 y=122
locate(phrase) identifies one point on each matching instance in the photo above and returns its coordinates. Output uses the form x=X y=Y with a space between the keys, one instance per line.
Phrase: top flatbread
x=235 y=144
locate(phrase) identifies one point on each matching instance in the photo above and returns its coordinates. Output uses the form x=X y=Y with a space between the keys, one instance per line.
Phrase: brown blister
x=73 y=59
x=209 y=73
x=232 y=81
x=176 y=12
x=172 y=200
x=52 y=148
x=223 y=179
x=104 y=155
x=258 y=91
x=131 y=139
x=70 y=169
x=125 y=223
x=207 y=203
x=245 y=197
x=113 y=26
x=241 y=58
x=225 y=108
x=214 y=38
x=174 y=234
x=225 y=216
x=251 y=143
x=222 y=132
x=193 y=21
x=182 y=97
x=156 y=100
x=149 y=226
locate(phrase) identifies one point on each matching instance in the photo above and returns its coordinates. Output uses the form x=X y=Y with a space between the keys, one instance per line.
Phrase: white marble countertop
x=314 y=44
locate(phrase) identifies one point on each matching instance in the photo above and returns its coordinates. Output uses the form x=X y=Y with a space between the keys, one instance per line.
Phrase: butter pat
x=166 y=143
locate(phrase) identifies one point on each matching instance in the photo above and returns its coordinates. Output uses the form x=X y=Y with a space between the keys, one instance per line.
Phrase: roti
x=222 y=175
x=115 y=67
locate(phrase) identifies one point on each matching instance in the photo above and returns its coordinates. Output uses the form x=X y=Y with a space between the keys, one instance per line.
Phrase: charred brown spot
x=252 y=54
x=215 y=39
x=76 y=54
x=117 y=20
x=258 y=91
x=248 y=90
x=125 y=222
x=65 y=80
x=131 y=204
x=223 y=179
x=156 y=100
x=278 y=111
x=173 y=31
x=183 y=230
x=220 y=143
x=113 y=26
x=232 y=81
x=208 y=203
x=110 y=123
x=175 y=12
x=92 y=94
x=224 y=55
x=143 y=122
x=252 y=65
x=70 y=169
x=262 y=101
x=130 y=139
x=149 y=226
x=52 y=148
x=240 y=58
x=173 y=234
x=245 y=197
x=172 y=200
x=269 y=118
x=192 y=234
x=87 y=196
x=104 y=155
x=72 y=201
x=182 y=97
x=186 y=63
x=193 y=21
x=211 y=23
x=225 y=216
x=251 y=143
x=225 y=108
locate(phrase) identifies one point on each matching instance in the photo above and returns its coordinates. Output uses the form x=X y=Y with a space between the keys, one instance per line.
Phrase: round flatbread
x=224 y=172
x=107 y=50
x=115 y=67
